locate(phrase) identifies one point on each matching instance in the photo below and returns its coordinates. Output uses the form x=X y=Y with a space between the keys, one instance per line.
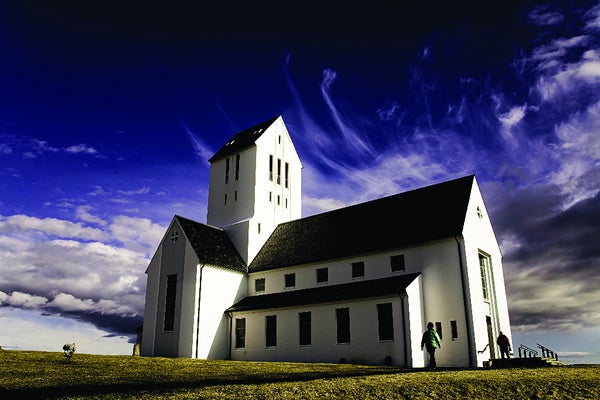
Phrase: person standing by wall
x=504 y=345
x=431 y=341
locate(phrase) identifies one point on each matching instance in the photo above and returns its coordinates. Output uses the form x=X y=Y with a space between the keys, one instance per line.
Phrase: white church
x=354 y=285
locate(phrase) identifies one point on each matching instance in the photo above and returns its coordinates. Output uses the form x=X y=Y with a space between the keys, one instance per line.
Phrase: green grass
x=35 y=375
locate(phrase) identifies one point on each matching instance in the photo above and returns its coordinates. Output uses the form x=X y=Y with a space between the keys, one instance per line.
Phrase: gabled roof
x=418 y=216
x=334 y=293
x=242 y=140
x=211 y=245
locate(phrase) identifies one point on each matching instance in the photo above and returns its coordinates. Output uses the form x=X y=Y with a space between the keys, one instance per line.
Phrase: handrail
x=546 y=352
x=527 y=352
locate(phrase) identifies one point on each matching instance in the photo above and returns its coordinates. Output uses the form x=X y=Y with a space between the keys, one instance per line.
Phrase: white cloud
x=81 y=149
x=49 y=226
x=22 y=329
x=83 y=213
x=543 y=15
x=202 y=150
x=20 y=299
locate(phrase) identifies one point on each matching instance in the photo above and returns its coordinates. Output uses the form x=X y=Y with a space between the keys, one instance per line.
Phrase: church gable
x=211 y=245
x=418 y=216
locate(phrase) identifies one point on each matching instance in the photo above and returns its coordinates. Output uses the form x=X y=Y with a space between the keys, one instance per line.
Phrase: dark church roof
x=242 y=140
x=212 y=245
x=332 y=293
x=418 y=216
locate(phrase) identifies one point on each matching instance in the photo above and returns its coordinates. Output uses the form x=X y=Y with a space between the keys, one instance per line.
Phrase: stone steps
x=528 y=362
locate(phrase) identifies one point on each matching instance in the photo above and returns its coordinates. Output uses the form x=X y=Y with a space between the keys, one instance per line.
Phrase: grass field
x=39 y=375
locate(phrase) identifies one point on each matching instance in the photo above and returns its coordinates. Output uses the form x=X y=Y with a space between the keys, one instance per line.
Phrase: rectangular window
x=397 y=263
x=271 y=330
x=279 y=171
x=304 y=327
x=454 y=329
x=226 y=170
x=290 y=280
x=271 y=167
x=259 y=284
x=358 y=269
x=385 y=319
x=237 y=167
x=258 y=227
x=287 y=175
x=438 y=329
x=170 y=298
x=270 y=197
x=285 y=203
x=225 y=199
x=235 y=195
x=484 y=269
x=240 y=333
x=342 y=316
x=322 y=275
x=278 y=199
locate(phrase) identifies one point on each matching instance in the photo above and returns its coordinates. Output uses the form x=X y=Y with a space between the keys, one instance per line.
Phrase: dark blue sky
x=109 y=113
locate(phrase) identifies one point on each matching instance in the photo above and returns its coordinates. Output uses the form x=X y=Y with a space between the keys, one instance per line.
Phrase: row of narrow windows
x=235 y=198
x=286 y=176
x=397 y=263
x=237 y=168
x=385 y=320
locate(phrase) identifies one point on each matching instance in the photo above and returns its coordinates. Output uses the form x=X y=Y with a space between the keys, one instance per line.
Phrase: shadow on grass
x=148 y=387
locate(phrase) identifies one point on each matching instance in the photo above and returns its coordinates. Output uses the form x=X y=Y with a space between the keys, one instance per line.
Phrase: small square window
x=290 y=280
x=259 y=284
x=397 y=263
x=322 y=275
x=358 y=269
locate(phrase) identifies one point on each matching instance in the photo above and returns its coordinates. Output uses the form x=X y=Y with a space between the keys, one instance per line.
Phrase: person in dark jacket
x=431 y=341
x=504 y=345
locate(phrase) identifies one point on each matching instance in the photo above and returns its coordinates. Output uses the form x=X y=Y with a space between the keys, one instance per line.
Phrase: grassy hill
x=36 y=375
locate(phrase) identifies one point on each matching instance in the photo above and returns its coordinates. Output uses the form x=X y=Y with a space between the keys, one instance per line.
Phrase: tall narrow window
x=454 y=329
x=438 y=329
x=271 y=330
x=258 y=228
x=385 y=319
x=358 y=269
x=259 y=284
x=342 y=316
x=322 y=275
x=240 y=333
x=397 y=263
x=287 y=175
x=304 y=328
x=484 y=269
x=235 y=195
x=271 y=167
x=290 y=280
x=226 y=170
x=237 y=167
x=278 y=199
x=279 y=171
x=170 y=297
x=225 y=201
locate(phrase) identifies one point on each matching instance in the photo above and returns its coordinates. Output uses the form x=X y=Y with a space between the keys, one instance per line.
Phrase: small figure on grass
x=69 y=350
x=431 y=341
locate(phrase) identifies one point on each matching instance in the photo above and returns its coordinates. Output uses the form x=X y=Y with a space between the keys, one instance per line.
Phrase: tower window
x=225 y=202
x=279 y=171
x=271 y=167
x=226 y=170
x=278 y=199
x=287 y=174
x=235 y=195
x=237 y=167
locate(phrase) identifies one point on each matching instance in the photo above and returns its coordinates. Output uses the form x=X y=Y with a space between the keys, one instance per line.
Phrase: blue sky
x=109 y=115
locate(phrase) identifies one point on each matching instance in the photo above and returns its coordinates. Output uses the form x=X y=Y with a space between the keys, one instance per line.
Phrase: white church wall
x=364 y=346
x=220 y=288
x=479 y=237
x=151 y=304
x=189 y=303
